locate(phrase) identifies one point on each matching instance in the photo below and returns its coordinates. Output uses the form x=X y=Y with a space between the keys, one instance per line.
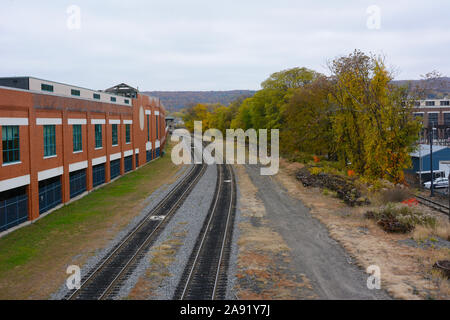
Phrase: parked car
x=438 y=183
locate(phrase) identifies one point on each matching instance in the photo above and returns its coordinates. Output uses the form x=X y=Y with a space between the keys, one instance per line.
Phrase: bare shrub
x=400 y=218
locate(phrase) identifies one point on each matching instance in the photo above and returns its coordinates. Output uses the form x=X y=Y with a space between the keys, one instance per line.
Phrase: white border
x=14 y=183
x=114 y=121
x=148 y=146
x=48 y=121
x=76 y=121
x=127 y=121
x=50 y=173
x=148 y=112
x=98 y=121
x=13 y=121
x=99 y=160
x=128 y=153
x=78 y=166
x=115 y=156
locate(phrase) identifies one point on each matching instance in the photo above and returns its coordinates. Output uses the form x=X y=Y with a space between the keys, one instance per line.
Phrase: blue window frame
x=157 y=127
x=98 y=136
x=157 y=152
x=113 y=99
x=50 y=194
x=148 y=127
x=127 y=101
x=98 y=174
x=96 y=96
x=127 y=133
x=49 y=140
x=149 y=155
x=13 y=208
x=128 y=163
x=75 y=92
x=77 y=182
x=115 y=139
x=77 y=138
x=115 y=168
x=46 y=87
x=137 y=159
x=10 y=144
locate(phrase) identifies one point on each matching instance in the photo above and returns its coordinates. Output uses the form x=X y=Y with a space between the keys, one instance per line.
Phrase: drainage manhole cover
x=156 y=218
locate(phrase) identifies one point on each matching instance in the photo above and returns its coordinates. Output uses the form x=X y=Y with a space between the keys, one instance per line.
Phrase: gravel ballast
x=188 y=219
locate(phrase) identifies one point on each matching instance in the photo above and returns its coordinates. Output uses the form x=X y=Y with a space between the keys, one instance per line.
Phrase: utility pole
x=431 y=161
x=420 y=162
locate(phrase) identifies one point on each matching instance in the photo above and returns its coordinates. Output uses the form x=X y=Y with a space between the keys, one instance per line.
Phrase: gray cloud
x=213 y=45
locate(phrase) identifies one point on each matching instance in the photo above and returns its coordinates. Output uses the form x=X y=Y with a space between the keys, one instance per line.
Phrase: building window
x=75 y=92
x=127 y=101
x=46 y=87
x=127 y=133
x=10 y=143
x=429 y=103
x=445 y=103
x=432 y=120
x=96 y=96
x=148 y=127
x=113 y=99
x=98 y=136
x=157 y=133
x=115 y=140
x=49 y=140
x=77 y=141
x=447 y=119
x=417 y=103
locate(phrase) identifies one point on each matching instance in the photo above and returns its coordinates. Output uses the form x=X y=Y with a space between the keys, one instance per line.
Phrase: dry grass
x=406 y=271
x=33 y=260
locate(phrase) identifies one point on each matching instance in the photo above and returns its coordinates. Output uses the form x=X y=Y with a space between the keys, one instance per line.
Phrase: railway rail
x=205 y=275
x=104 y=280
x=433 y=204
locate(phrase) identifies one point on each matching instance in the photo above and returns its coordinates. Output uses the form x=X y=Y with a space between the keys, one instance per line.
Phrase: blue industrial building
x=422 y=155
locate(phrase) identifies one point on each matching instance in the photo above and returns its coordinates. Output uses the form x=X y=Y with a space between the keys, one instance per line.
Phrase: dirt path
x=315 y=264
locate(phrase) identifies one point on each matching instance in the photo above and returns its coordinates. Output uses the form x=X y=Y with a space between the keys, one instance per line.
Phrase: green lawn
x=52 y=242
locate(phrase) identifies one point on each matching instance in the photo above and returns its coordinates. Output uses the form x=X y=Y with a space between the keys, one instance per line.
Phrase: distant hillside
x=176 y=100
x=438 y=87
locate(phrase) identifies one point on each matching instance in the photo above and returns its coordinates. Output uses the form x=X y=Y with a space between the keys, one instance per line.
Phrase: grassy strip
x=84 y=225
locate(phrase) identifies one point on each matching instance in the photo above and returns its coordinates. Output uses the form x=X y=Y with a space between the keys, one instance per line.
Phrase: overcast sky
x=214 y=45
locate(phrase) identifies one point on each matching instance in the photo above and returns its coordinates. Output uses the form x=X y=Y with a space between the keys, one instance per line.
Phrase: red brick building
x=61 y=141
x=435 y=113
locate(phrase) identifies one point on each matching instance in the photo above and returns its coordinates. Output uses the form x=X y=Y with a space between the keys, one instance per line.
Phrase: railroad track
x=205 y=276
x=433 y=204
x=105 y=280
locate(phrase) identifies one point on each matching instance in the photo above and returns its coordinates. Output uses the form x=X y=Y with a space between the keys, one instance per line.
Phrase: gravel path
x=314 y=253
x=150 y=203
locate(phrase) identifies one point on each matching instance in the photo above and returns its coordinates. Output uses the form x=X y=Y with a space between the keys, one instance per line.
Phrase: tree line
x=355 y=117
